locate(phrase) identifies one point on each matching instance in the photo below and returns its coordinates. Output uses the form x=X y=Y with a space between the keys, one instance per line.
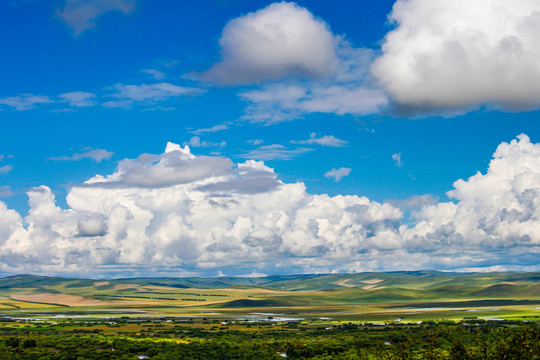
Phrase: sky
x=251 y=137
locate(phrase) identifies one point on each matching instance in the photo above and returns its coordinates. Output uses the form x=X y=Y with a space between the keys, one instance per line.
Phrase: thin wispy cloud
x=212 y=129
x=25 y=101
x=337 y=174
x=98 y=155
x=196 y=141
x=275 y=152
x=148 y=94
x=81 y=15
x=79 y=98
x=5 y=169
x=5 y=191
x=397 y=159
x=325 y=140
x=154 y=73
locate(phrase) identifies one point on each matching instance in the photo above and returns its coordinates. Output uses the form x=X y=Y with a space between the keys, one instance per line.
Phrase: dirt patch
x=101 y=283
x=373 y=287
x=344 y=283
x=371 y=282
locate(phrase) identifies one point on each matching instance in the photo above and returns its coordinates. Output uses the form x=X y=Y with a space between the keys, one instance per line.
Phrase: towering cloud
x=450 y=55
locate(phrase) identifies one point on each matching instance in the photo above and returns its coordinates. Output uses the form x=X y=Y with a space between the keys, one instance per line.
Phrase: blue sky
x=389 y=101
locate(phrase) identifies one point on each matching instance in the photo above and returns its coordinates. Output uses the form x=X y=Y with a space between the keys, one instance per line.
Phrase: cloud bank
x=184 y=214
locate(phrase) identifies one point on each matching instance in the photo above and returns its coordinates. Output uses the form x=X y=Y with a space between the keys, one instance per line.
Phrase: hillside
x=353 y=295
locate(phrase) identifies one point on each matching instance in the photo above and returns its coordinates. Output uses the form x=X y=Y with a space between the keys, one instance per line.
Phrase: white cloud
x=337 y=174
x=97 y=155
x=495 y=217
x=256 y=222
x=5 y=191
x=275 y=152
x=25 y=101
x=278 y=41
x=279 y=102
x=454 y=55
x=346 y=90
x=79 y=98
x=311 y=69
x=196 y=141
x=80 y=15
x=255 y=142
x=148 y=94
x=5 y=169
x=397 y=159
x=180 y=212
x=156 y=74
x=415 y=202
x=326 y=140
x=212 y=129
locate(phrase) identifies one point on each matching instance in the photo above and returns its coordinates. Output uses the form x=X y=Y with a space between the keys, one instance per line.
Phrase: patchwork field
x=398 y=297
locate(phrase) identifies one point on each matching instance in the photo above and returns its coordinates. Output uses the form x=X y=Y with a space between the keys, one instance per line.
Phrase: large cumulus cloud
x=496 y=215
x=198 y=215
x=180 y=211
x=450 y=55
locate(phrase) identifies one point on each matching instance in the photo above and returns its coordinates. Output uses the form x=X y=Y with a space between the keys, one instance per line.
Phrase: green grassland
x=376 y=297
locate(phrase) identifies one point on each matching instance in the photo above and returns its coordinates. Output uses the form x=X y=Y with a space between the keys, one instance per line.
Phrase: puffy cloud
x=337 y=174
x=278 y=41
x=180 y=212
x=453 y=55
x=25 y=101
x=80 y=15
x=97 y=155
x=79 y=98
x=326 y=140
x=92 y=225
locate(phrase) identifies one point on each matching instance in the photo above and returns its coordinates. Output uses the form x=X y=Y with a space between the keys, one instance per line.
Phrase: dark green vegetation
x=174 y=338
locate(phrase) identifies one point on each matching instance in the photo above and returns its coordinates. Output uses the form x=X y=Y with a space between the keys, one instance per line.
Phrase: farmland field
x=376 y=297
